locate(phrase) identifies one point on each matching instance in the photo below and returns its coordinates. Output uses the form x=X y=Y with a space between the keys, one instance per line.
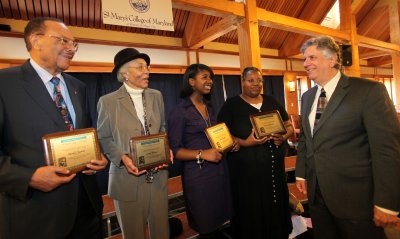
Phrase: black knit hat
x=127 y=55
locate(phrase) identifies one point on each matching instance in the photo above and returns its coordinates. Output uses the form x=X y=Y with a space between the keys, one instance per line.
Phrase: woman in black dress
x=257 y=170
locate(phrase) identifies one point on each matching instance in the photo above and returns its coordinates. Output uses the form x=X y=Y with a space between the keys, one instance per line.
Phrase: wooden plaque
x=267 y=123
x=149 y=151
x=71 y=149
x=220 y=138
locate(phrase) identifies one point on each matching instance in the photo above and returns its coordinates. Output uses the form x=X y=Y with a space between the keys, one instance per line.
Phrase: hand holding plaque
x=72 y=150
x=267 y=123
x=220 y=138
x=149 y=151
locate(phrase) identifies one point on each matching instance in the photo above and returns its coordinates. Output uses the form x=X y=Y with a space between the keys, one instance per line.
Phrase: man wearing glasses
x=39 y=201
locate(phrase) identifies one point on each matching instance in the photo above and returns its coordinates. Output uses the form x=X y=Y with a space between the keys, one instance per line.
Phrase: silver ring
x=94 y=171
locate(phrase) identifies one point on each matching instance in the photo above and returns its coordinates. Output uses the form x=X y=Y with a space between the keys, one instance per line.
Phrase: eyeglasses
x=140 y=67
x=63 y=41
x=255 y=82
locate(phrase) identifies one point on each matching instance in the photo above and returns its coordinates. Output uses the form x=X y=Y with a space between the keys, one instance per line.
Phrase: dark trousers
x=327 y=226
x=87 y=225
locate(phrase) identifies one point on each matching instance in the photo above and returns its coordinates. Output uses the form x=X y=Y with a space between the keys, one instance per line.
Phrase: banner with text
x=153 y=14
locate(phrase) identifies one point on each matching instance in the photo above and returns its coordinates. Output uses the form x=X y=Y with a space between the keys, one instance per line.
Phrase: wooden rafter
x=356 y=6
x=314 y=12
x=222 y=27
x=278 y=21
x=377 y=44
x=380 y=61
x=193 y=27
x=219 y=8
x=373 y=54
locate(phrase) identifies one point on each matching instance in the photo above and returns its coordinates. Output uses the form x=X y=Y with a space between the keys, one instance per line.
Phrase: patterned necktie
x=60 y=103
x=322 y=102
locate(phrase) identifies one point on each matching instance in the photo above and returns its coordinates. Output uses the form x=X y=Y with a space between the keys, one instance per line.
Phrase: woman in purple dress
x=205 y=176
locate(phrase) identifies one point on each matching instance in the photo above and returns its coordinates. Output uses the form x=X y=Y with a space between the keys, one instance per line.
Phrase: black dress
x=258 y=179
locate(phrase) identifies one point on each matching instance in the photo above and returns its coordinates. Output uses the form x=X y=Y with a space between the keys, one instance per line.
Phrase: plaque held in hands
x=72 y=149
x=267 y=123
x=149 y=151
x=219 y=137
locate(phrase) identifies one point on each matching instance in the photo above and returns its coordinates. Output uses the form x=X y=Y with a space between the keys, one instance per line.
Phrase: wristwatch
x=200 y=161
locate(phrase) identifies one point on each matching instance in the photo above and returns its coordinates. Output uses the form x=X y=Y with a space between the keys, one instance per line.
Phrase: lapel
x=149 y=104
x=308 y=101
x=74 y=95
x=337 y=97
x=35 y=88
x=124 y=98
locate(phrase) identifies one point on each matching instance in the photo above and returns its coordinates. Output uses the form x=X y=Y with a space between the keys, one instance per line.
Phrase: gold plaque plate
x=267 y=123
x=71 y=149
x=149 y=151
x=220 y=138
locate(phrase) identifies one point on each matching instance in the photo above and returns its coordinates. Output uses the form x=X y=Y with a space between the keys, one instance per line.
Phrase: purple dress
x=206 y=189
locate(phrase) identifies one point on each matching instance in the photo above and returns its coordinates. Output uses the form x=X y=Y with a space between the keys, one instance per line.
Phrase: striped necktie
x=322 y=102
x=60 y=103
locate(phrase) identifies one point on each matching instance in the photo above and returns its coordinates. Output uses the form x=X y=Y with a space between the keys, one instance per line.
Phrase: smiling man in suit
x=349 y=149
x=39 y=201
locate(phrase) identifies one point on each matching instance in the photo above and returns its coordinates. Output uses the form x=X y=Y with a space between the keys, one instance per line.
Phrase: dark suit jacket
x=355 y=150
x=27 y=112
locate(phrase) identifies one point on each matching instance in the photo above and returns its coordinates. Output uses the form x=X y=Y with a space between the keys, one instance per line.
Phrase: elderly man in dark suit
x=39 y=201
x=349 y=149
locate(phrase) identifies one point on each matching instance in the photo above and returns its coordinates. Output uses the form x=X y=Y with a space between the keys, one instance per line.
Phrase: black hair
x=191 y=72
x=249 y=69
x=35 y=26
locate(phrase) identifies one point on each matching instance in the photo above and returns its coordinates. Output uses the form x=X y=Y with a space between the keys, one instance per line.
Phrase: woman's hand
x=277 y=138
x=130 y=166
x=211 y=155
x=252 y=140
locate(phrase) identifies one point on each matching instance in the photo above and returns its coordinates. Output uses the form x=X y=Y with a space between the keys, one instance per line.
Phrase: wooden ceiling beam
x=379 y=61
x=373 y=54
x=357 y=5
x=219 y=29
x=378 y=45
x=248 y=38
x=194 y=26
x=313 y=11
x=394 y=28
x=291 y=24
x=374 y=16
x=348 y=24
x=219 y=8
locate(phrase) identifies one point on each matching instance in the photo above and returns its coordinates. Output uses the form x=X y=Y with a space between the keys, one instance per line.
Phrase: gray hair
x=122 y=70
x=327 y=45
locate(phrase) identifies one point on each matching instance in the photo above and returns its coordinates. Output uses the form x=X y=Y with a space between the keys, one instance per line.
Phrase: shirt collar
x=331 y=85
x=43 y=74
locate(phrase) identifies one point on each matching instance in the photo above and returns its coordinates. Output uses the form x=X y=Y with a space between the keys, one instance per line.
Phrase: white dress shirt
x=329 y=89
x=45 y=76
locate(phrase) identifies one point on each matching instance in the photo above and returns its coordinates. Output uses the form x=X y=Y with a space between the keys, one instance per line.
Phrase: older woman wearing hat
x=140 y=197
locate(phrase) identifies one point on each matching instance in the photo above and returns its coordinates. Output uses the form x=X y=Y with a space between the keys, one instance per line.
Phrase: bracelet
x=200 y=161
